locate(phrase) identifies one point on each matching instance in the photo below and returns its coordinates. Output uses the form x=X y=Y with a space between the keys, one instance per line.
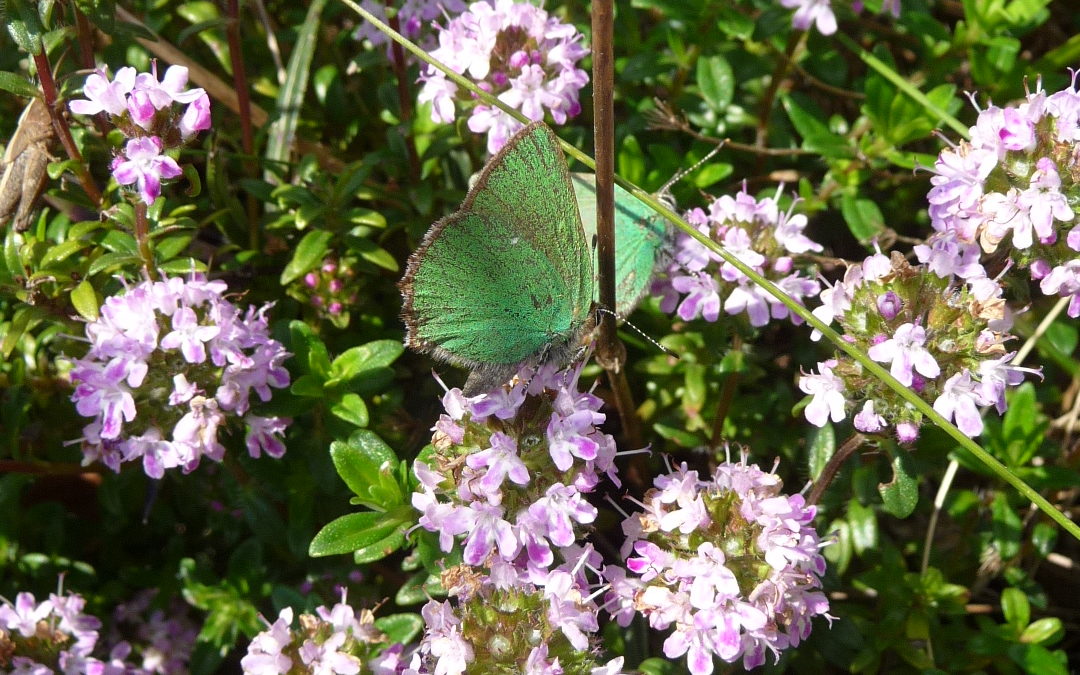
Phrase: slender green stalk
x=903 y=85
x=874 y=368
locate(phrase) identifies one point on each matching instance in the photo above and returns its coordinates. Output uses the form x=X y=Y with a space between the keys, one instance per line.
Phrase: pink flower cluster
x=940 y=327
x=1007 y=190
x=509 y=475
x=515 y=51
x=56 y=636
x=700 y=283
x=729 y=563
x=553 y=613
x=333 y=640
x=169 y=362
x=514 y=501
x=142 y=107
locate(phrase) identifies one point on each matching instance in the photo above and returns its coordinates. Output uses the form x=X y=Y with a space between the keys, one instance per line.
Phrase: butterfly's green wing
x=507 y=279
x=528 y=183
x=641 y=235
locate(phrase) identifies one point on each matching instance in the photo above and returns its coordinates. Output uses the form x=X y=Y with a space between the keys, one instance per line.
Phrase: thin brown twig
x=664 y=117
x=727 y=394
x=828 y=474
x=795 y=41
x=824 y=86
x=86 y=40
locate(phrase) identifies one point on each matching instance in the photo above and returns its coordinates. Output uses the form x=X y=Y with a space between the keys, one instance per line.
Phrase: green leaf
x=182 y=266
x=716 y=81
x=24 y=25
x=412 y=591
x=352 y=409
x=12 y=259
x=85 y=300
x=367 y=464
x=815 y=134
x=822 y=445
x=355 y=362
x=733 y=23
x=119 y=242
x=901 y=494
x=1044 y=538
x=1063 y=334
x=1045 y=631
x=168 y=248
x=60 y=252
x=309 y=350
x=21 y=320
x=369 y=217
x=863 y=217
x=113 y=261
x=1015 y=606
x=840 y=553
x=400 y=627
x=374 y=254
x=864 y=531
x=379 y=549
x=1038 y=660
x=308 y=386
x=309 y=254
x=290 y=97
x=353 y=532
x=678 y=435
x=658 y=666
x=17 y=84
x=631 y=160
x=1006 y=527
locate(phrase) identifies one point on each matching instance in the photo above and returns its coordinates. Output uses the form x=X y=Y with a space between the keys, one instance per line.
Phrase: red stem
x=243 y=101
x=404 y=98
x=86 y=40
x=60 y=125
x=243 y=98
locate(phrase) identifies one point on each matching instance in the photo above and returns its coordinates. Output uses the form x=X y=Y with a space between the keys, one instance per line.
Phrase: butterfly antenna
x=665 y=189
x=605 y=310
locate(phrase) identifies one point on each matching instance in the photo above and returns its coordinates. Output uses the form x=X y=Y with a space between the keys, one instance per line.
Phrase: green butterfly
x=641 y=235
x=506 y=281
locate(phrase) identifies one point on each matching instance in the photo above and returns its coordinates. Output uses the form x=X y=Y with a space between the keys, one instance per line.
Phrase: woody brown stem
x=828 y=474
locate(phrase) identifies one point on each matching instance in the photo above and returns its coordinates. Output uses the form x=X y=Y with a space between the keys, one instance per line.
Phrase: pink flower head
x=682 y=578
x=143 y=165
x=196 y=117
x=960 y=400
x=171 y=88
x=534 y=69
x=104 y=96
x=827 y=390
x=905 y=350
